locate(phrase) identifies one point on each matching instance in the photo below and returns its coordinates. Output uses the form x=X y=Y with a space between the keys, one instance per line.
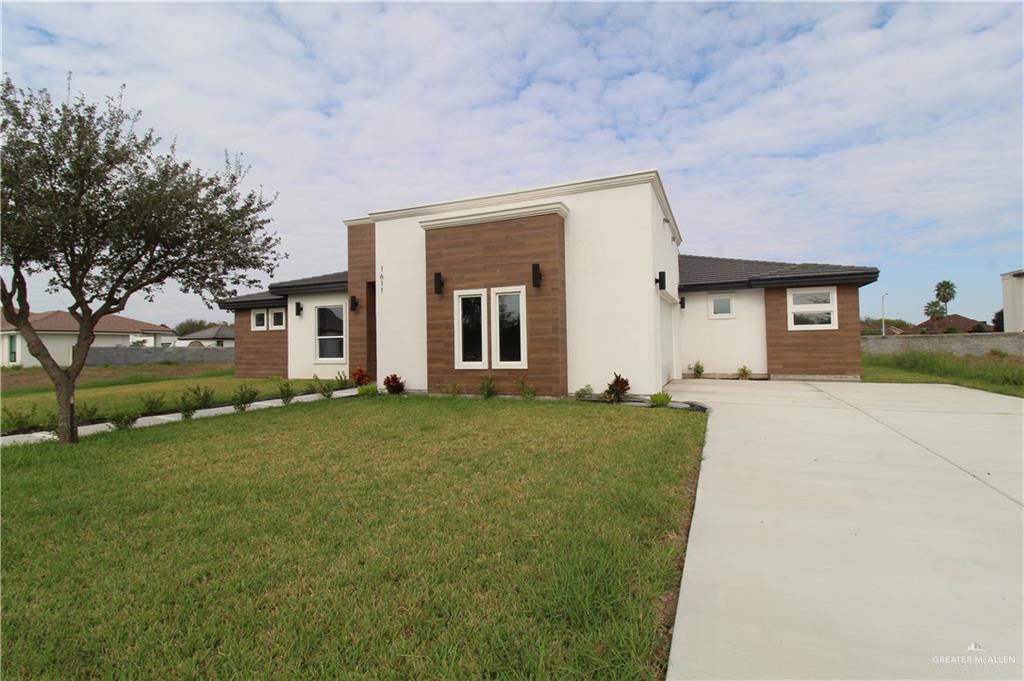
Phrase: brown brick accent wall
x=259 y=354
x=500 y=254
x=362 y=265
x=813 y=353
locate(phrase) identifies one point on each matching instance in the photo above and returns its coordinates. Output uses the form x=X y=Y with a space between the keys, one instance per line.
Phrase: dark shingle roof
x=702 y=272
x=218 y=332
x=277 y=293
x=251 y=300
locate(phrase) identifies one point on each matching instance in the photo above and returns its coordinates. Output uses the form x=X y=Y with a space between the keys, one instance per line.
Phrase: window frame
x=12 y=349
x=457 y=297
x=252 y=319
x=344 y=336
x=732 y=305
x=495 y=322
x=284 y=318
x=831 y=307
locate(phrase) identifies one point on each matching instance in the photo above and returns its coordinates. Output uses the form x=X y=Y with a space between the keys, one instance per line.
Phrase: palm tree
x=934 y=310
x=945 y=291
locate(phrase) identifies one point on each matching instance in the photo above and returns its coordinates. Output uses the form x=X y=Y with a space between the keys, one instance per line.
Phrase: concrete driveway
x=853 y=530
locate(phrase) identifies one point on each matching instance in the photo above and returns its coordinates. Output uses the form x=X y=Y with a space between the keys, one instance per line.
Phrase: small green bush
x=168 y=362
x=86 y=412
x=13 y=421
x=325 y=388
x=698 y=369
x=743 y=372
x=201 y=395
x=525 y=390
x=368 y=390
x=124 y=420
x=660 y=399
x=343 y=381
x=152 y=404
x=244 y=396
x=286 y=391
x=186 y=406
x=584 y=392
x=453 y=389
x=487 y=388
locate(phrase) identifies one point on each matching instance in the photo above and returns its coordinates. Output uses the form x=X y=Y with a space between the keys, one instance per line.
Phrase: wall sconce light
x=298 y=309
x=682 y=302
x=535 y=271
x=660 y=281
x=438 y=283
x=353 y=303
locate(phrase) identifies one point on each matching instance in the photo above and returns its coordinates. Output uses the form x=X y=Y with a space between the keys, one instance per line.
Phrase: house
x=955 y=321
x=217 y=336
x=59 y=330
x=1013 y=301
x=558 y=286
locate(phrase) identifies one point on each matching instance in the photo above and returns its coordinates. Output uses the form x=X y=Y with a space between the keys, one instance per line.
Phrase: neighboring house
x=58 y=330
x=1013 y=301
x=959 y=322
x=218 y=336
x=559 y=287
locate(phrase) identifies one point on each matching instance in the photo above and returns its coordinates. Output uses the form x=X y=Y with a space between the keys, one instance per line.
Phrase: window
x=259 y=320
x=508 y=327
x=277 y=319
x=330 y=333
x=220 y=344
x=12 y=349
x=470 y=329
x=812 y=309
x=720 y=306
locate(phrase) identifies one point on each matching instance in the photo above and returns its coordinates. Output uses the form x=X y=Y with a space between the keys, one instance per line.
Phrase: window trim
x=457 y=296
x=732 y=305
x=284 y=318
x=495 y=336
x=252 y=320
x=12 y=349
x=832 y=307
x=317 y=359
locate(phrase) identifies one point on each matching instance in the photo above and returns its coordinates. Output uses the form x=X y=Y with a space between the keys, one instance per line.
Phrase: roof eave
x=229 y=304
x=861 y=278
x=339 y=287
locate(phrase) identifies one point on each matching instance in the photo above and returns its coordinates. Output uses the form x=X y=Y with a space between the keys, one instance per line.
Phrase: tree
x=945 y=291
x=997 y=321
x=934 y=310
x=88 y=200
x=188 y=326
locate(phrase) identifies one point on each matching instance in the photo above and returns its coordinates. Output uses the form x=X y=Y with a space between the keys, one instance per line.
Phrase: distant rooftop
x=218 y=332
x=61 y=321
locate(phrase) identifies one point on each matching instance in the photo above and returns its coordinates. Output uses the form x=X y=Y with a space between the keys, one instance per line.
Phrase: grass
x=393 y=537
x=996 y=373
x=34 y=379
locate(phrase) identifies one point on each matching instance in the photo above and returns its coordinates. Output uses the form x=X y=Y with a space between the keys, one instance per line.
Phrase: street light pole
x=883 y=312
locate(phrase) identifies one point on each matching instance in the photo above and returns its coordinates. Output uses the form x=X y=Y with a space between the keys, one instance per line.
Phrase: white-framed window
x=330 y=333
x=276 y=317
x=508 y=327
x=12 y=349
x=812 y=309
x=259 y=320
x=720 y=306
x=470 y=328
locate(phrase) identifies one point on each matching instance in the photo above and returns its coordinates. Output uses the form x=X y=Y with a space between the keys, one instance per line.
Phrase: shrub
x=617 y=389
x=524 y=389
x=86 y=412
x=168 y=362
x=368 y=390
x=343 y=381
x=14 y=421
x=660 y=399
x=186 y=406
x=243 y=397
x=286 y=391
x=360 y=377
x=325 y=388
x=152 y=404
x=743 y=372
x=124 y=420
x=997 y=353
x=584 y=392
x=951 y=329
x=453 y=389
x=698 y=369
x=487 y=388
x=201 y=396
x=394 y=384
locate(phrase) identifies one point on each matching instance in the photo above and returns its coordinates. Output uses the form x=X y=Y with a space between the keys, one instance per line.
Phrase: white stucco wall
x=1013 y=302
x=724 y=345
x=613 y=309
x=59 y=345
x=302 y=361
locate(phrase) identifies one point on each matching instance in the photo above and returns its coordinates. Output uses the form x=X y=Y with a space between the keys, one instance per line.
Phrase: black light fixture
x=682 y=302
x=298 y=309
x=660 y=281
x=535 y=271
x=353 y=303
x=438 y=283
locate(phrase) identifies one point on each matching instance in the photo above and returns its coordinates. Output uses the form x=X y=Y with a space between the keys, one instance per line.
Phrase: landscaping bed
x=407 y=537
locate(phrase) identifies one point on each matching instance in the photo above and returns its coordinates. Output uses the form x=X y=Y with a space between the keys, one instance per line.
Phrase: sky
x=888 y=135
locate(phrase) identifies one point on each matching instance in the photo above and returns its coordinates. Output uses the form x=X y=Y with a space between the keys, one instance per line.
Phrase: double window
x=812 y=309
x=273 y=319
x=506 y=331
x=330 y=333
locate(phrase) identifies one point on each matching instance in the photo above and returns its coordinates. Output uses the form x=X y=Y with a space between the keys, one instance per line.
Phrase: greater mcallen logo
x=974 y=655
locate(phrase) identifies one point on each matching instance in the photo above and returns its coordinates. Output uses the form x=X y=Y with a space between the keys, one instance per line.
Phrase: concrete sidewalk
x=849 y=530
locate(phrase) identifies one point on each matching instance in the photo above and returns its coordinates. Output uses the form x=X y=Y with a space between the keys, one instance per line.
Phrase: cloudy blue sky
x=886 y=135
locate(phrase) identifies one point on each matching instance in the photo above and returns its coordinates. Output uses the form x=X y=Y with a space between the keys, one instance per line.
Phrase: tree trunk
x=67 y=426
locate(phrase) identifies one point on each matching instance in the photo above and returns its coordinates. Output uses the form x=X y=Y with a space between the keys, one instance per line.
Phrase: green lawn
x=994 y=373
x=367 y=538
